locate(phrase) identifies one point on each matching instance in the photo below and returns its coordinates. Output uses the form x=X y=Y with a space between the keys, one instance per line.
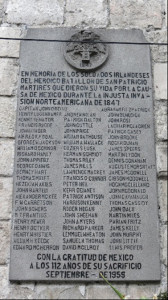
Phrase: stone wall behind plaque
x=15 y=17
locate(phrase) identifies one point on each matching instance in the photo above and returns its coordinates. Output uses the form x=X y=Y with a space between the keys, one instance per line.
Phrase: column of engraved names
x=83 y=146
x=128 y=178
x=33 y=196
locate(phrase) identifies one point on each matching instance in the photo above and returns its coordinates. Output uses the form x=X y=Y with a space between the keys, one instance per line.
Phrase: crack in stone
x=66 y=289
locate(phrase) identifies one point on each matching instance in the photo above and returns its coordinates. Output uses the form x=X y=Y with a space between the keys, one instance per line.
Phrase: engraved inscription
x=84 y=198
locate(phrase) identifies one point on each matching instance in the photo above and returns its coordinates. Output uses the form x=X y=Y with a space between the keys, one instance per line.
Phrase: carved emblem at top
x=88 y=54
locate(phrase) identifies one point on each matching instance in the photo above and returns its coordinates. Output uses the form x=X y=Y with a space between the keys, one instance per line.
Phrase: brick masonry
x=15 y=17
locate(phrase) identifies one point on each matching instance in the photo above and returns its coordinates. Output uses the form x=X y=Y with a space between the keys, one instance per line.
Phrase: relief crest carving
x=88 y=54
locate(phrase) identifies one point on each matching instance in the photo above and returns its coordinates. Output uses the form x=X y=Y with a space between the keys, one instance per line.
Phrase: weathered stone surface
x=161 y=119
x=161 y=159
x=8 y=76
x=14 y=291
x=1 y=4
x=5 y=242
x=146 y=290
x=71 y=293
x=4 y=284
x=9 y=48
x=25 y=291
x=159 y=53
x=20 y=294
x=60 y=291
x=133 y=13
x=6 y=186
x=1 y=8
x=163 y=241
x=86 y=13
x=165 y=12
x=35 y=13
x=162 y=193
x=7 y=116
x=160 y=80
x=6 y=157
x=163 y=284
x=96 y=291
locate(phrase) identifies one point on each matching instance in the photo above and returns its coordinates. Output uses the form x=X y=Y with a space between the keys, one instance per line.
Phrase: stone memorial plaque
x=85 y=198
